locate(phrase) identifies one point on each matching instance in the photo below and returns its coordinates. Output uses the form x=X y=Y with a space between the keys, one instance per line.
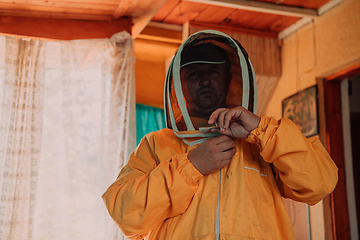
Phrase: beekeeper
x=218 y=171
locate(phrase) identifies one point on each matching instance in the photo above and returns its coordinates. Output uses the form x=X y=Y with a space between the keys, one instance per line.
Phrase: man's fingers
x=224 y=118
x=226 y=145
x=231 y=115
x=221 y=144
x=214 y=116
x=234 y=130
x=229 y=153
x=220 y=119
x=225 y=132
x=219 y=139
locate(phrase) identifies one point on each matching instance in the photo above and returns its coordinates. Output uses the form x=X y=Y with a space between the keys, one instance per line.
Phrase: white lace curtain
x=67 y=124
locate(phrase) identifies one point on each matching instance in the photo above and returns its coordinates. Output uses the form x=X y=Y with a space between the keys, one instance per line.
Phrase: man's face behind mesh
x=205 y=87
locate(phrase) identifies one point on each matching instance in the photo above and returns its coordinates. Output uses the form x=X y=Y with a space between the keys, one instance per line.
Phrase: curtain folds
x=20 y=131
x=67 y=112
x=148 y=119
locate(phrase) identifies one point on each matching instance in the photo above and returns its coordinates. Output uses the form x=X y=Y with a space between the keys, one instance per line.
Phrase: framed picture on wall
x=302 y=109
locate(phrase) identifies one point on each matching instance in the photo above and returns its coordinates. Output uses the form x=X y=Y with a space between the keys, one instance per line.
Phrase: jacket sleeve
x=147 y=191
x=303 y=169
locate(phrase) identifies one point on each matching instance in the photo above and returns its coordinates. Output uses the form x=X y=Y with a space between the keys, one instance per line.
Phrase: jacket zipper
x=218 y=210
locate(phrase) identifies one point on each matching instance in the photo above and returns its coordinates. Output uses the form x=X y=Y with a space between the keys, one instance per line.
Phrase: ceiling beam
x=264 y=7
x=145 y=12
x=233 y=29
x=329 y=5
x=166 y=26
x=61 y=29
x=54 y=15
x=157 y=33
x=148 y=13
x=122 y=8
x=294 y=27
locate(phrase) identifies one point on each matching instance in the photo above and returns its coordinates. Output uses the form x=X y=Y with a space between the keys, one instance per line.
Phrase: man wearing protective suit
x=218 y=171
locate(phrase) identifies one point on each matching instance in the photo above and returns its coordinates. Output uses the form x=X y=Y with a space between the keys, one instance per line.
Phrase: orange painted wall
x=150 y=70
x=323 y=47
x=319 y=49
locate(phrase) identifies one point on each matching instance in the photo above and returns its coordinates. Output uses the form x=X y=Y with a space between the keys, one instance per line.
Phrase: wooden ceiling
x=266 y=16
x=179 y=12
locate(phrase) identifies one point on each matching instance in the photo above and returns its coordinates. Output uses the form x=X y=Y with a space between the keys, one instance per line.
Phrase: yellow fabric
x=160 y=195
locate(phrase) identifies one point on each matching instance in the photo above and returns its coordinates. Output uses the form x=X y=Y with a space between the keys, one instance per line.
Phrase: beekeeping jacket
x=159 y=194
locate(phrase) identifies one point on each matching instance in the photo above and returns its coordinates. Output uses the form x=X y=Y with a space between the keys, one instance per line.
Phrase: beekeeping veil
x=242 y=88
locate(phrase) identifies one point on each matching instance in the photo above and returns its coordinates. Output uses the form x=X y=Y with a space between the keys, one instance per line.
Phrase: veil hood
x=242 y=89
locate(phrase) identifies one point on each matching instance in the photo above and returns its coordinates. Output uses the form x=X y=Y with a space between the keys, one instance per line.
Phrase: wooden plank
x=259 y=21
x=214 y=14
x=224 y=28
x=262 y=21
x=282 y=22
x=154 y=51
x=241 y=17
x=255 y=51
x=147 y=13
x=293 y=3
x=61 y=8
x=273 y=57
x=165 y=10
x=62 y=29
x=263 y=7
x=51 y=15
x=294 y=27
x=123 y=6
x=8 y=4
x=24 y=2
x=162 y=35
x=333 y=113
x=185 y=12
x=303 y=3
x=345 y=73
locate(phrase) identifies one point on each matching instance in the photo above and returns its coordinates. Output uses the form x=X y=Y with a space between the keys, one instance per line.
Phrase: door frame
x=334 y=141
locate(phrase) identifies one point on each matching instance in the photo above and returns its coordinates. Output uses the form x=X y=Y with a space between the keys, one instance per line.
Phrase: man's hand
x=236 y=122
x=213 y=154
